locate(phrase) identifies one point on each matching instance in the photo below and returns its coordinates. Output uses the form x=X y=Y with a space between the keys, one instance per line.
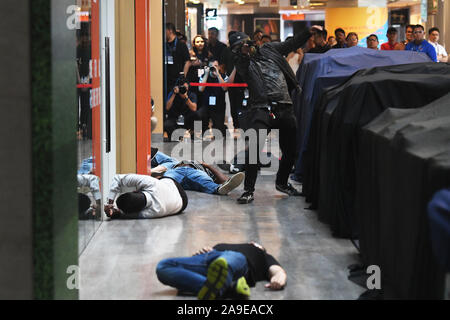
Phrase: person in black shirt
x=215 y=46
x=320 y=41
x=340 y=38
x=236 y=95
x=177 y=56
x=181 y=108
x=217 y=272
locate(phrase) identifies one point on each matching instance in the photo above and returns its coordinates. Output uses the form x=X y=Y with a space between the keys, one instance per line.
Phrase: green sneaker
x=215 y=279
x=242 y=289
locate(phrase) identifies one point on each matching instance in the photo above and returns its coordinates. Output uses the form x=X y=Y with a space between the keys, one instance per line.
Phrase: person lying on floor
x=193 y=175
x=149 y=198
x=224 y=271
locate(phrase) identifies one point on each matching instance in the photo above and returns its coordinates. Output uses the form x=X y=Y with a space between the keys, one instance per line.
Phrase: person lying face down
x=150 y=198
x=193 y=175
x=224 y=271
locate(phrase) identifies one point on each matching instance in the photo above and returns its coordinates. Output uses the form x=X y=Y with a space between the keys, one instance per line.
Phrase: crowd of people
x=210 y=61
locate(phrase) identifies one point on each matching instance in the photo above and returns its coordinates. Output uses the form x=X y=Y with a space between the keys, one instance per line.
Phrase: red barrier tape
x=83 y=86
x=234 y=85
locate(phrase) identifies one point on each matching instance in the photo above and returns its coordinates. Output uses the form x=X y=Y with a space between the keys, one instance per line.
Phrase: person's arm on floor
x=220 y=177
x=278 y=278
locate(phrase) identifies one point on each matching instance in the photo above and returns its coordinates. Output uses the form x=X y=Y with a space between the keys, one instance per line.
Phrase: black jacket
x=250 y=72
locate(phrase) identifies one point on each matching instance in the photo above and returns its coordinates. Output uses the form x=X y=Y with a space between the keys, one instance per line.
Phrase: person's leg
x=288 y=144
x=176 y=174
x=170 y=124
x=198 y=180
x=190 y=118
x=222 y=271
x=218 y=119
x=251 y=169
x=188 y=274
x=163 y=159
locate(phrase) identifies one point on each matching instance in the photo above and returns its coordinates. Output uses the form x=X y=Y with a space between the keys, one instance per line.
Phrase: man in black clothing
x=215 y=46
x=221 y=271
x=181 y=108
x=340 y=38
x=236 y=95
x=270 y=81
x=177 y=56
x=320 y=41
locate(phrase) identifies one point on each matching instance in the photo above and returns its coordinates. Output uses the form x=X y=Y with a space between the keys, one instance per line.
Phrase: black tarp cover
x=403 y=159
x=331 y=159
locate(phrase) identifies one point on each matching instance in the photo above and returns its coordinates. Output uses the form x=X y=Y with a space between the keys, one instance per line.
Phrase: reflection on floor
x=120 y=261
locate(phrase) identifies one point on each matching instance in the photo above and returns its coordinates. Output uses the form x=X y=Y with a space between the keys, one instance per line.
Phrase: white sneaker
x=231 y=184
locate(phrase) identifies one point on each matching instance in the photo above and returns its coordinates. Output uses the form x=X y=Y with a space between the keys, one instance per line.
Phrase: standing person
x=340 y=38
x=215 y=46
x=257 y=37
x=409 y=37
x=420 y=44
x=177 y=56
x=226 y=270
x=352 y=39
x=320 y=41
x=214 y=105
x=433 y=37
x=392 y=39
x=270 y=81
x=200 y=56
x=372 y=42
x=236 y=95
x=152 y=198
x=332 y=41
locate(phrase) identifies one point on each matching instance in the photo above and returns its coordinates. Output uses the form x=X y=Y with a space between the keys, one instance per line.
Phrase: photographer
x=270 y=82
x=181 y=109
x=213 y=104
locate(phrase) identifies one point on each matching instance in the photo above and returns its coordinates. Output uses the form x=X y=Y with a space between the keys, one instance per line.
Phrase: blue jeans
x=193 y=179
x=188 y=274
x=161 y=159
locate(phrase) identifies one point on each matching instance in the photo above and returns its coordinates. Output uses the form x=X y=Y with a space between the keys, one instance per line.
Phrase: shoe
x=288 y=189
x=247 y=197
x=241 y=288
x=231 y=184
x=215 y=280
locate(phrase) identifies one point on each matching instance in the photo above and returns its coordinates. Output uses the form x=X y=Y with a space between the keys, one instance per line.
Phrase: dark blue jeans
x=193 y=179
x=188 y=274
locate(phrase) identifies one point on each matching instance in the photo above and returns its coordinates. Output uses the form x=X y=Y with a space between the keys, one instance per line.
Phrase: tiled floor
x=120 y=261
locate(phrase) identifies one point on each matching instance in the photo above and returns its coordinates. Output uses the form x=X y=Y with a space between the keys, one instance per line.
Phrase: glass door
x=96 y=116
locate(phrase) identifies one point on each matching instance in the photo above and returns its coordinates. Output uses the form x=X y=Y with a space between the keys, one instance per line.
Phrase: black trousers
x=236 y=98
x=286 y=122
x=216 y=114
x=170 y=124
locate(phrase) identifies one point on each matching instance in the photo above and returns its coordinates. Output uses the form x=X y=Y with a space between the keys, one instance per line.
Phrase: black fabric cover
x=330 y=178
x=403 y=159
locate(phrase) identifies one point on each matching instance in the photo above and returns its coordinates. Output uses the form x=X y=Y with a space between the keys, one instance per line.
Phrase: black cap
x=237 y=38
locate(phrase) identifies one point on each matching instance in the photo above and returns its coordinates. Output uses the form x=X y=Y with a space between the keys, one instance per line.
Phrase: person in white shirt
x=433 y=37
x=88 y=196
x=150 y=198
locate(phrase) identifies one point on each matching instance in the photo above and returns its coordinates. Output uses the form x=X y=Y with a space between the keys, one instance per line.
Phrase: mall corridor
x=120 y=261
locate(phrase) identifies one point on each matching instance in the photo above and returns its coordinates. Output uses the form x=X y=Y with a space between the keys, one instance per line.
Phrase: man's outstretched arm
x=278 y=278
x=292 y=44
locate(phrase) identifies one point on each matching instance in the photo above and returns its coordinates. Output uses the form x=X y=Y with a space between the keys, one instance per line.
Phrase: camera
x=182 y=89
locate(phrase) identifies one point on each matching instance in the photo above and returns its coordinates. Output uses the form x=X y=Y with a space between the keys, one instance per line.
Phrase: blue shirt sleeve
x=431 y=51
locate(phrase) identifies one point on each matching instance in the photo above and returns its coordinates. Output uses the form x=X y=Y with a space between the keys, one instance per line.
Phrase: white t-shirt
x=163 y=197
x=440 y=50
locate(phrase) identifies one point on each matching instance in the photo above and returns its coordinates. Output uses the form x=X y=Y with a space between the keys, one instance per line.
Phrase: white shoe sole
x=232 y=183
